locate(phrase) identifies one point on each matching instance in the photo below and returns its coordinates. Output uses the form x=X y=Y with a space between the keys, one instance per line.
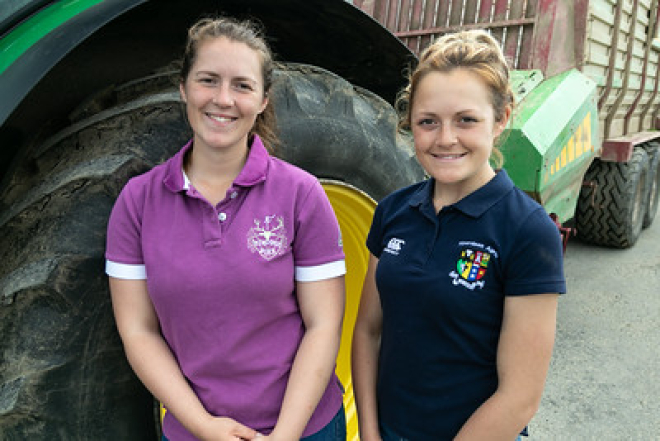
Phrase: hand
x=226 y=429
x=260 y=437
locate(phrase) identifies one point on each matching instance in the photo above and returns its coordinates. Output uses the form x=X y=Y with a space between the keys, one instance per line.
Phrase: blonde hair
x=248 y=33
x=475 y=51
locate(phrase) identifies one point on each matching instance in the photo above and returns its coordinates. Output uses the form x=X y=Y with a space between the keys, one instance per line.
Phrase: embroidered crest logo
x=268 y=239
x=472 y=265
x=394 y=246
x=471 y=268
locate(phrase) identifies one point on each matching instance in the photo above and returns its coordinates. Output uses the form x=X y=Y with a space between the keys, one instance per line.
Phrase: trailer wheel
x=63 y=372
x=653 y=151
x=612 y=203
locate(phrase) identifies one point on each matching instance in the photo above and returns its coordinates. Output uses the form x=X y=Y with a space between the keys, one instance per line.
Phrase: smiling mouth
x=449 y=156
x=221 y=119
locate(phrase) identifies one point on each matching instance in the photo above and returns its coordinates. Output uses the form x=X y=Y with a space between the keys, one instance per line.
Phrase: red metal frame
x=621 y=149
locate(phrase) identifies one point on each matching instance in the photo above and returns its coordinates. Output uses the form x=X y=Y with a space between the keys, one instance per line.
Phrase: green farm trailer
x=584 y=139
x=88 y=98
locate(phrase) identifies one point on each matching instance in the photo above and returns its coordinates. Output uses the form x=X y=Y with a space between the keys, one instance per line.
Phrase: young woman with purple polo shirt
x=457 y=316
x=226 y=264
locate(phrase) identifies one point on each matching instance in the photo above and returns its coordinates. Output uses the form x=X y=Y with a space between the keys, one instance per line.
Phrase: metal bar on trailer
x=380 y=10
x=446 y=29
x=499 y=15
x=430 y=19
x=526 y=44
x=442 y=15
x=456 y=13
x=485 y=9
x=580 y=17
x=415 y=23
x=470 y=15
x=611 y=64
x=404 y=19
x=645 y=64
x=654 y=30
x=626 y=74
x=392 y=17
x=512 y=35
x=404 y=15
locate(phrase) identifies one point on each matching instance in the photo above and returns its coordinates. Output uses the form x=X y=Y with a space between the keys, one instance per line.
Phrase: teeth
x=221 y=119
x=449 y=156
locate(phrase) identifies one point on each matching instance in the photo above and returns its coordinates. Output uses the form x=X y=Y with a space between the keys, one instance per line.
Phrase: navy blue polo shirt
x=442 y=278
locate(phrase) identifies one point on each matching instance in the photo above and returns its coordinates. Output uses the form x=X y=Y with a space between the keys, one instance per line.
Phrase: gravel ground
x=602 y=383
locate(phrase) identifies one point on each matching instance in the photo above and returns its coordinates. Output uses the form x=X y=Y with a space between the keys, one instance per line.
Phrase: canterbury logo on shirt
x=394 y=246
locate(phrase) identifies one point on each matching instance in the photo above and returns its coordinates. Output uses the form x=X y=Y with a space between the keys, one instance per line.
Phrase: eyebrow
x=213 y=74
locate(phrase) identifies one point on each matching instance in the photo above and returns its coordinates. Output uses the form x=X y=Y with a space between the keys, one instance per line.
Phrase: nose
x=446 y=135
x=223 y=96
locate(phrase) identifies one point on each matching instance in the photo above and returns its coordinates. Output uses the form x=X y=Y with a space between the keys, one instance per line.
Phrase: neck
x=211 y=166
x=448 y=194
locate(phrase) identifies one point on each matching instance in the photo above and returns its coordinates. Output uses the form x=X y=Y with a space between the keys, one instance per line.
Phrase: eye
x=208 y=81
x=466 y=120
x=244 y=86
x=425 y=122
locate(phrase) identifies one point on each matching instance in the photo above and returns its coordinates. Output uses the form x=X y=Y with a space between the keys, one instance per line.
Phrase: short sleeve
x=375 y=236
x=123 y=242
x=536 y=265
x=317 y=247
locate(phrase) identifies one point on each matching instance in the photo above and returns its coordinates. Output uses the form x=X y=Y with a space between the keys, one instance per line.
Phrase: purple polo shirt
x=222 y=279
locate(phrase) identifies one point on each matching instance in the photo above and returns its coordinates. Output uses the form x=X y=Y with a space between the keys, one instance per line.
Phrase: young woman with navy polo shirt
x=457 y=318
x=226 y=265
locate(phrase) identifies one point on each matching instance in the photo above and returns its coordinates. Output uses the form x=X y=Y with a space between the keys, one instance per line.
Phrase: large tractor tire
x=63 y=373
x=653 y=150
x=612 y=203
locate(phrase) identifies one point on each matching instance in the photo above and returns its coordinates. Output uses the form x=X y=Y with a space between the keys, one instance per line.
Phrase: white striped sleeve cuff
x=125 y=271
x=320 y=272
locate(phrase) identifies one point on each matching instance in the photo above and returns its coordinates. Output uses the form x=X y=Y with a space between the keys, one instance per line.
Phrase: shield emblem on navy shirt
x=472 y=265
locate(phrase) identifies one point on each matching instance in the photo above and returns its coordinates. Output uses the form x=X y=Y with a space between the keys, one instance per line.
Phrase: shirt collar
x=254 y=170
x=474 y=204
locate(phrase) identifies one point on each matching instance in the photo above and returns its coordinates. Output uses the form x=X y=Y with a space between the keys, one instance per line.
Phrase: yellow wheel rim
x=354 y=210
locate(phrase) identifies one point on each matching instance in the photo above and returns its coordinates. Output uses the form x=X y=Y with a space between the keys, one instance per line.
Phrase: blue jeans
x=388 y=435
x=335 y=430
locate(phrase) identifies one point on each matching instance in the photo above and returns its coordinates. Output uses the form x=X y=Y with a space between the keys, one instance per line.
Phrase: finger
x=244 y=432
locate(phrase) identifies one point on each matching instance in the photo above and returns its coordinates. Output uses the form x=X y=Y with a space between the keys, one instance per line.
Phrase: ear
x=501 y=124
x=264 y=103
x=182 y=92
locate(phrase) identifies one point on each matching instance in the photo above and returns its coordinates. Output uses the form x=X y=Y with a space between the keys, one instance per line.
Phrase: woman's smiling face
x=224 y=93
x=454 y=128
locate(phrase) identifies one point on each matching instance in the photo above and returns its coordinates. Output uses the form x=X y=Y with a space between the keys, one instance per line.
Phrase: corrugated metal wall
x=621 y=58
x=609 y=40
x=418 y=22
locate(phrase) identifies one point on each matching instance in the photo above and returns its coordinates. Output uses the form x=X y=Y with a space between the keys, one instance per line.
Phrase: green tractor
x=88 y=99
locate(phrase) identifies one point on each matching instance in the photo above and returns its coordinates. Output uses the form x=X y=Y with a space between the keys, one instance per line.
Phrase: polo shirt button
x=222 y=217
x=233 y=195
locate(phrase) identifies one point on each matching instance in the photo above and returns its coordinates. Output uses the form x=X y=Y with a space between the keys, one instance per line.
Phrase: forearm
x=366 y=347
x=501 y=417
x=311 y=371
x=523 y=359
x=151 y=359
